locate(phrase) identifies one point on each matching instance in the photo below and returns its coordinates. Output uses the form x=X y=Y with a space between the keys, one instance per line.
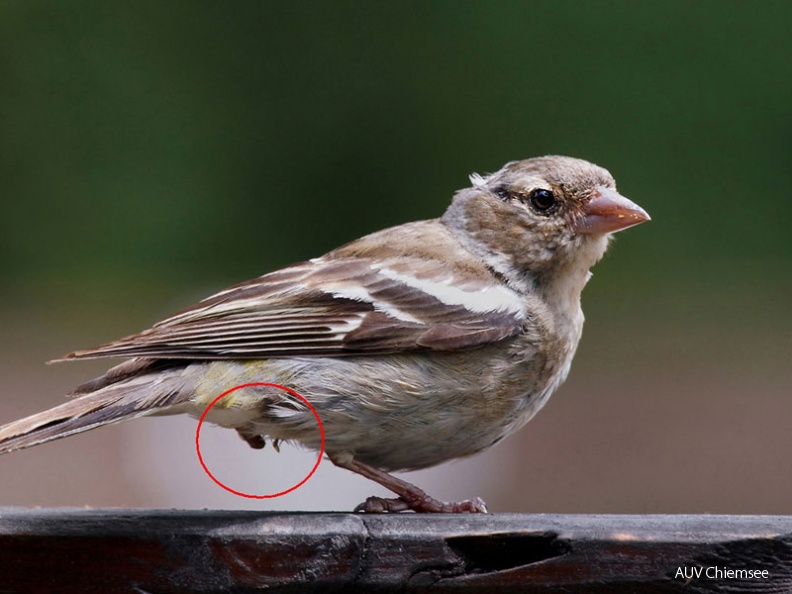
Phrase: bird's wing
x=335 y=307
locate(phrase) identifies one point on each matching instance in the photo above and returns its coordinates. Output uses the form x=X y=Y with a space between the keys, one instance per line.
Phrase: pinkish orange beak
x=608 y=211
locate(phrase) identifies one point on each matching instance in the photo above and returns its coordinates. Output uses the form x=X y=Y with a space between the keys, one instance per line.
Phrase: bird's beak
x=608 y=211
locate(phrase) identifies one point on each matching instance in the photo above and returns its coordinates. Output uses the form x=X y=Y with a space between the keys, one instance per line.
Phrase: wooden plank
x=54 y=550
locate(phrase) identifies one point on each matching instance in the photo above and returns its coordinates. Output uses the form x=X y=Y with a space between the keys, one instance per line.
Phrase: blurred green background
x=151 y=153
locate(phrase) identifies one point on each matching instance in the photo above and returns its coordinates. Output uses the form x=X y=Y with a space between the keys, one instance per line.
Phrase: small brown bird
x=417 y=344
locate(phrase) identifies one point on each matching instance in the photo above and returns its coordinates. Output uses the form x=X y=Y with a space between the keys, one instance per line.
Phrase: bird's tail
x=136 y=397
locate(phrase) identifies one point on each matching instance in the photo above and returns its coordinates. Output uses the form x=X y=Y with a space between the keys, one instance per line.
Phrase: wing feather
x=334 y=307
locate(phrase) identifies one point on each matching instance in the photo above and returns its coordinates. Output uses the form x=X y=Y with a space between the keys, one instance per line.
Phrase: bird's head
x=542 y=216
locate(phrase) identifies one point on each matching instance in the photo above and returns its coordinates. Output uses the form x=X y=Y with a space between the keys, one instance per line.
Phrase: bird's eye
x=542 y=200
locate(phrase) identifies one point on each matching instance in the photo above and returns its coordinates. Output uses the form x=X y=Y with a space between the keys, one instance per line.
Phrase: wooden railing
x=144 y=551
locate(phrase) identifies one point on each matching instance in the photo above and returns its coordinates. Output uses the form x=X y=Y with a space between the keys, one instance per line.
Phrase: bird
x=417 y=344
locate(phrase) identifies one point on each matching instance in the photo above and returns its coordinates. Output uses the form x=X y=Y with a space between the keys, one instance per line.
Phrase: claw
x=381 y=505
x=426 y=504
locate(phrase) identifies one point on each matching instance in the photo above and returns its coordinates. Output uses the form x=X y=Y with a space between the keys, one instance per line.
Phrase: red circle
x=266 y=385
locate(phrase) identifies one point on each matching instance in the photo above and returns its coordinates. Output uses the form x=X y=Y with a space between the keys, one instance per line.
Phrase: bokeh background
x=152 y=153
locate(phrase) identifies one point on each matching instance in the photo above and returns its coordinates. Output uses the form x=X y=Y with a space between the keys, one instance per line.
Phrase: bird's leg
x=254 y=441
x=410 y=496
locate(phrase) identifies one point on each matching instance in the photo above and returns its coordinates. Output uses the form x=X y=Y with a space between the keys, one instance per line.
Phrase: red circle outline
x=266 y=385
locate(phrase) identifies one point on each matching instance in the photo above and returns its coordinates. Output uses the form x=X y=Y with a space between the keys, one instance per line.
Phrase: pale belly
x=398 y=412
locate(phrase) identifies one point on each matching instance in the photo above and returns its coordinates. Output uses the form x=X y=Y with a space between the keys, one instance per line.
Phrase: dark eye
x=542 y=200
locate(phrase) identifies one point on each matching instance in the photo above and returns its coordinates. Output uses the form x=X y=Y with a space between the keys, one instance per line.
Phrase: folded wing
x=334 y=307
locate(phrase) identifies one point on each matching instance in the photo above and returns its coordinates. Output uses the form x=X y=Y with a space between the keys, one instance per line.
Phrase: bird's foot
x=409 y=497
x=421 y=504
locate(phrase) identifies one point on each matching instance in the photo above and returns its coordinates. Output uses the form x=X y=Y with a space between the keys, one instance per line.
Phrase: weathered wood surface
x=87 y=551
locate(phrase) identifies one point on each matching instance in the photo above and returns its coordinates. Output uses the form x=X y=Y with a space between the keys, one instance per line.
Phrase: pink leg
x=410 y=496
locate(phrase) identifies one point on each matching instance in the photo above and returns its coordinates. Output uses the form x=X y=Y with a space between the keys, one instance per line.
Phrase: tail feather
x=136 y=397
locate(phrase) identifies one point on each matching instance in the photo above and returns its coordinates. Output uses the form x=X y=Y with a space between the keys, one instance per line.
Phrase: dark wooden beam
x=103 y=551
